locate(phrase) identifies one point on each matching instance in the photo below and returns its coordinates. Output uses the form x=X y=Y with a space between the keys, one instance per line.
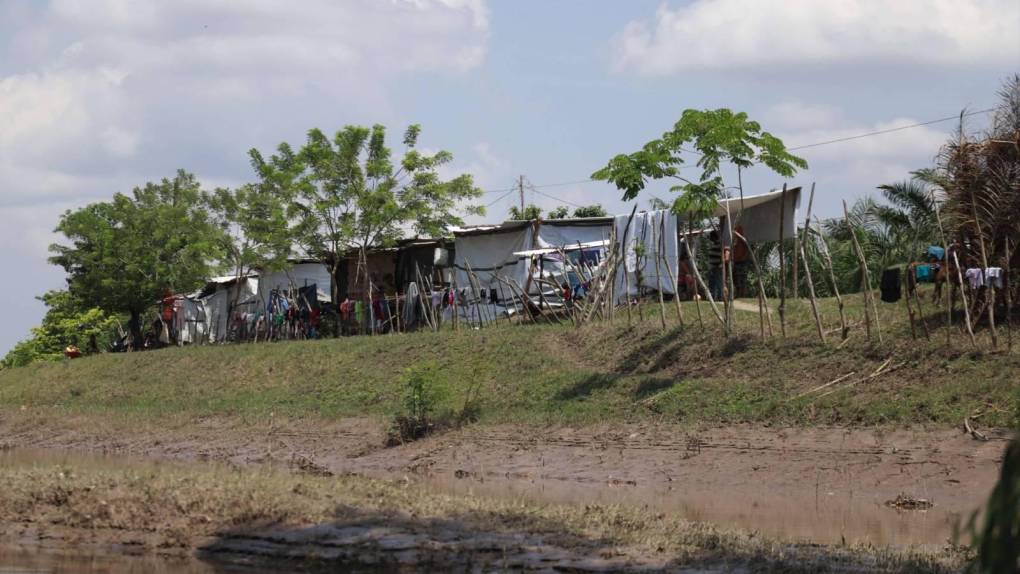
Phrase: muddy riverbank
x=822 y=485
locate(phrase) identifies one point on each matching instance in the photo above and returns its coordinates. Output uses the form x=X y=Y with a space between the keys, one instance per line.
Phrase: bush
x=426 y=394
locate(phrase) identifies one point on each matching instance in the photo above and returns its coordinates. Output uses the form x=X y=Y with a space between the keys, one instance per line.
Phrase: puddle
x=825 y=517
x=790 y=512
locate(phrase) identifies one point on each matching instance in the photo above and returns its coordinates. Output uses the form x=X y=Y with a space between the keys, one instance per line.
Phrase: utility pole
x=520 y=191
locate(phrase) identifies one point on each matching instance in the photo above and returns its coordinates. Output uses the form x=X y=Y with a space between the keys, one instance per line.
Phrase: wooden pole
x=1008 y=286
x=763 y=300
x=823 y=243
x=920 y=313
x=782 y=264
x=690 y=259
x=708 y=292
x=864 y=270
x=673 y=280
x=626 y=276
x=963 y=299
x=949 y=281
x=906 y=301
x=984 y=267
x=728 y=273
x=657 y=240
x=807 y=270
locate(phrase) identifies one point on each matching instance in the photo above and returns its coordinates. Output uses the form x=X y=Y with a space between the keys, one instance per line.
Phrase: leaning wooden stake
x=763 y=300
x=782 y=264
x=807 y=270
x=708 y=292
x=626 y=276
x=658 y=275
x=963 y=299
x=864 y=271
x=984 y=269
x=906 y=302
x=1008 y=286
x=824 y=244
x=949 y=280
x=669 y=272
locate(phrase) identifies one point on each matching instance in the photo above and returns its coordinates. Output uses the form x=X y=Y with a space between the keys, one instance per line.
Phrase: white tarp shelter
x=760 y=215
x=226 y=296
x=651 y=235
x=299 y=274
x=493 y=252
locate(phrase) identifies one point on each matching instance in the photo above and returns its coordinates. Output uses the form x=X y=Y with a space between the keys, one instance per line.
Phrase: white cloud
x=726 y=34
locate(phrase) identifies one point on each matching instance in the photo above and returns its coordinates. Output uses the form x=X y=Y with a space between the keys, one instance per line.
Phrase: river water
x=801 y=514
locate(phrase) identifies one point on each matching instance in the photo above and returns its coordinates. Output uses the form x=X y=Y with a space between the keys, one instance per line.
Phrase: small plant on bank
x=425 y=389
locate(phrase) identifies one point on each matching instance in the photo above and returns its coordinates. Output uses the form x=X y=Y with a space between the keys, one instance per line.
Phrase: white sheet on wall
x=646 y=230
x=760 y=218
x=492 y=255
x=296 y=276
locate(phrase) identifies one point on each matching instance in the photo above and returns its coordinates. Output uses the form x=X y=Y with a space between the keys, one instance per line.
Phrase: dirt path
x=818 y=484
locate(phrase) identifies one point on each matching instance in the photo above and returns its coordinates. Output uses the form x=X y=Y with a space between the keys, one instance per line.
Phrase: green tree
x=595 y=210
x=347 y=193
x=127 y=253
x=717 y=137
x=66 y=323
x=254 y=227
x=558 y=213
x=531 y=211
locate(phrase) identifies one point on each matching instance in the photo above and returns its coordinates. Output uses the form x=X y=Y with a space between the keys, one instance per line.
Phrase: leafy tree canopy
x=125 y=254
x=66 y=322
x=595 y=210
x=531 y=211
x=254 y=225
x=560 y=212
x=717 y=137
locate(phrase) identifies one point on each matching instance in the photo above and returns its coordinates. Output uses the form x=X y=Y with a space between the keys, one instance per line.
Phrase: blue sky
x=100 y=96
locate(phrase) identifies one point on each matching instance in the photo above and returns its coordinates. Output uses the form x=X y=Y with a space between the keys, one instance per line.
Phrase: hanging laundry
x=890 y=285
x=935 y=252
x=993 y=277
x=359 y=311
x=923 y=273
x=975 y=277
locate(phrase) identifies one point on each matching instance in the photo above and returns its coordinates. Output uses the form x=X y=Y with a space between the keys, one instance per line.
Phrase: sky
x=99 y=96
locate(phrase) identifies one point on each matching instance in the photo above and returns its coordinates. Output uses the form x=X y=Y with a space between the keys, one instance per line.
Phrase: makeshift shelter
x=494 y=253
x=190 y=319
x=648 y=243
x=300 y=273
x=430 y=257
x=224 y=298
x=759 y=215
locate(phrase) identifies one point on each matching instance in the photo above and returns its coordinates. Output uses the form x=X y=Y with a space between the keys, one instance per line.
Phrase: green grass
x=559 y=374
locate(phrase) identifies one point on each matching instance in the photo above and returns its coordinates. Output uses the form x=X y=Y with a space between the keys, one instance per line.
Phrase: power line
x=500 y=198
x=800 y=147
x=890 y=130
x=556 y=198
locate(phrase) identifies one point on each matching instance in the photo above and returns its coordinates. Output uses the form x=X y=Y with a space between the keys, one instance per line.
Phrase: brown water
x=820 y=512
x=793 y=514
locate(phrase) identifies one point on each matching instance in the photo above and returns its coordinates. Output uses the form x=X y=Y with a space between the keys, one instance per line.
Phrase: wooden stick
x=963 y=299
x=658 y=274
x=782 y=263
x=727 y=266
x=949 y=281
x=690 y=259
x=669 y=272
x=920 y=314
x=826 y=385
x=824 y=244
x=880 y=371
x=626 y=277
x=763 y=300
x=708 y=292
x=984 y=267
x=906 y=301
x=867 y=278
x=1008 y=286
x=807 y=270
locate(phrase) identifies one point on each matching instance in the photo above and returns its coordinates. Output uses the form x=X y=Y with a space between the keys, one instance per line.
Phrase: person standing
x=717 y=255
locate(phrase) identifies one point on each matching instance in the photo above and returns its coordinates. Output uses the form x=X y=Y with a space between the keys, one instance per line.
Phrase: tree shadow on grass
x=652 y=385
x=587 y=386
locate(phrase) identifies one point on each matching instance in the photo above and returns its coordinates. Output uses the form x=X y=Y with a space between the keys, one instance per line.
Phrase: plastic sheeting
x=220 y=305
x=294 y=277
x=760 y=218
x=650 y=233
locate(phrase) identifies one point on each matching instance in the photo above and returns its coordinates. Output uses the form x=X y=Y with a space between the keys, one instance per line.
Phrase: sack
x=890 y=285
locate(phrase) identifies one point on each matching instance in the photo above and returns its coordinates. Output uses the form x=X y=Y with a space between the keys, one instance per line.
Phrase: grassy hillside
x=558 y=374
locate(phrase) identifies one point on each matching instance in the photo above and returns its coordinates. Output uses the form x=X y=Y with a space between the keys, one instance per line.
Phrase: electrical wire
x=535 y=188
